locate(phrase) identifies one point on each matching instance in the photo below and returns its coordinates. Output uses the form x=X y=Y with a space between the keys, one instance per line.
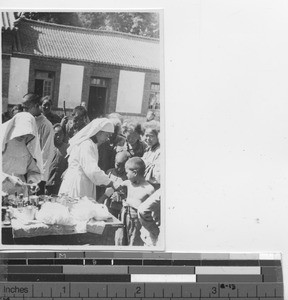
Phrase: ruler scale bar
x=130 y=275
x=267 y=263
x=185 y=290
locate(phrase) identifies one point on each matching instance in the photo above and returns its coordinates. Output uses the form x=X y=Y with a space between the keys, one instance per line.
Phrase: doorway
x=96 y=102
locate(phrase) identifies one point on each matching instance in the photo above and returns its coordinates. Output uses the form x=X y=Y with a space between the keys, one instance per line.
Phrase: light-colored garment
x=83 y=173
x=21 y=158
x=46 y=135
x=149 y=217
x=17 y=161
x=153 y=164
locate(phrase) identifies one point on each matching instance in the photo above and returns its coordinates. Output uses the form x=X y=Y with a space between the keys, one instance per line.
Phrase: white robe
x=17 y=161
x=83 y=173
x=46 y=136
x=19 y=158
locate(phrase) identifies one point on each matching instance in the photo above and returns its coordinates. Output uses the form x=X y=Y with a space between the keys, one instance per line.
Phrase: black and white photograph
x=80 y=130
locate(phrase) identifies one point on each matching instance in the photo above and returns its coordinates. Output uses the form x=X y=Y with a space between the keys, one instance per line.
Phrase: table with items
x=56 y=220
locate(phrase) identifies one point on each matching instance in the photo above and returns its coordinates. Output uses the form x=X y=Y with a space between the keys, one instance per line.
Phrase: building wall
x=151 y=77
x=49 y=65
x=18 y=79
x=90 y=70
x=104 y=71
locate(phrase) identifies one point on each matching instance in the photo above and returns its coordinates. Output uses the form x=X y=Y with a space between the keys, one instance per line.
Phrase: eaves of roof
x=7 y=20
x=88 y=45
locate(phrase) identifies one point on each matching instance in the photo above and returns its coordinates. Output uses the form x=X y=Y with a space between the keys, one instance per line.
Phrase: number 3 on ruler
x=214 y=290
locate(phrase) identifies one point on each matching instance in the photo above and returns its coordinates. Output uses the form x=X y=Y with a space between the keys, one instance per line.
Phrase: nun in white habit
x=83 y=173
x=21 y=153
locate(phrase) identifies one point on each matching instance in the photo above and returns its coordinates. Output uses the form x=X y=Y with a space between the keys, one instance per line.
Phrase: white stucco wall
x=18 y=81
x=130 y=92
x=71 y=81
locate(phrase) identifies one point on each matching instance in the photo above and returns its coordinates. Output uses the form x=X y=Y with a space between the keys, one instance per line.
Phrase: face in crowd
x=31 y=104
x=46 y=106
x=132 y=137
x=134 y=168
x=58 y=135
x=120 y=160
x=16 y=109
x=101 y=137
x=78 y=120
x=151 y=137
x=30 y=107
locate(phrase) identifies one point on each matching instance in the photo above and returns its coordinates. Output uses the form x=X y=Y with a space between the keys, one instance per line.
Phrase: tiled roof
x=7 y=20
x=79 y=44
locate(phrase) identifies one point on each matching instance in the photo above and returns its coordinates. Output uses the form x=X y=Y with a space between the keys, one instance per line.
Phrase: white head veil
x=21 y=124
x=101 y=124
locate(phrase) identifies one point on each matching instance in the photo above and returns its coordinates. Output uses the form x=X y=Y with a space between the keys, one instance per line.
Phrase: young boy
x=118 y=175
x=138 y=190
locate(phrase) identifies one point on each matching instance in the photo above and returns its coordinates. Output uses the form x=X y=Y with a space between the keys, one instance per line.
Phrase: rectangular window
x=44 y=83
x=154 y=98
x=103 y=82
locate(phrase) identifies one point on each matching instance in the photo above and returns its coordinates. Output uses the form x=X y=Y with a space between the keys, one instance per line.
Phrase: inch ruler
x=107 y=275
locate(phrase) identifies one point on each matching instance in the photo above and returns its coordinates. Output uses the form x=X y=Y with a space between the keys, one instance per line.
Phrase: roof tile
x=7 y=20
x=74 y=43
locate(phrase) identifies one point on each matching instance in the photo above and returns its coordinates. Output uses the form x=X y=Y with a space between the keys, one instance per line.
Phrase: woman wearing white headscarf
x=83 y=173
x=21 y=153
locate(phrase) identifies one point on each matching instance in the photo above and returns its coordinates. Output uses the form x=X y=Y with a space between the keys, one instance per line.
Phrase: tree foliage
x=139 y=23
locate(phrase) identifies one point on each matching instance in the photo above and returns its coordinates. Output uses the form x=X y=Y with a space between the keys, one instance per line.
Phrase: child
x=59 y=163
x=138 y=190
x=118 y=175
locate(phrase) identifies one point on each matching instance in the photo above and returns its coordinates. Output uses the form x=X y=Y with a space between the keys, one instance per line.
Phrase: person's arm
x=152 y=172
x=33 y=172
x=12 y=184
x=88 y=159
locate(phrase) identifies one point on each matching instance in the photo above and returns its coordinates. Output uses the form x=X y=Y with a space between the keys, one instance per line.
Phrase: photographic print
x=80 y=132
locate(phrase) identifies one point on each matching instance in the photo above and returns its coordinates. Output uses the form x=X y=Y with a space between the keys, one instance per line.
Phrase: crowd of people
x=109 y=159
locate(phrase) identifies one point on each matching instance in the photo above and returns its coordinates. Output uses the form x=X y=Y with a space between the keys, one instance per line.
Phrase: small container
x=4 y=210
x=21 y=202
x=7 y=219
x=29 y=212
x=34 y=200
